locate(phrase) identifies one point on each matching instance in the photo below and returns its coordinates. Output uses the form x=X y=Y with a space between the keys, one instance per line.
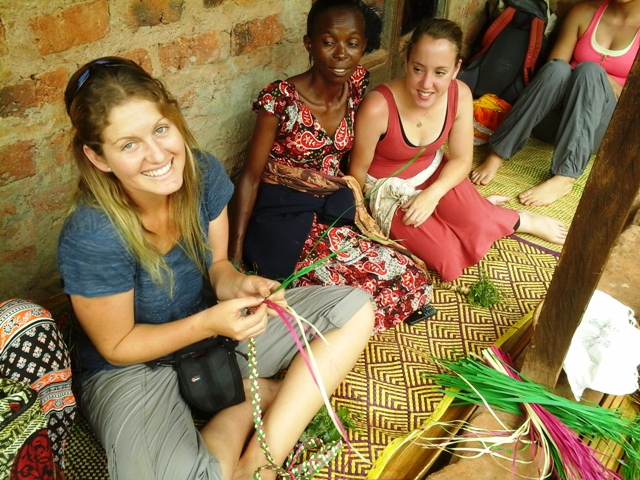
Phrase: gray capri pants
x=585 y=101
x=145 y=426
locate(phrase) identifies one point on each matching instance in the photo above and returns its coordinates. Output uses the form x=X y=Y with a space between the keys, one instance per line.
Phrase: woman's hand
x=420 y=207
x=253 y=285
x=240 y=318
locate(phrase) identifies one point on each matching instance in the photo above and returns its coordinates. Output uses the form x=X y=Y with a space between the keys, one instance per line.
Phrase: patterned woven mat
x=387 y=390
x=528 y=168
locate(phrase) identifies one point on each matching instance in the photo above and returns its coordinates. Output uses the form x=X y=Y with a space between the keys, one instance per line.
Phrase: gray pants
x=586 y=102
x=145 y=426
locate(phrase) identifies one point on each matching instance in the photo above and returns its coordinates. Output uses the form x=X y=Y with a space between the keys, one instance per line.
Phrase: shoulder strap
x=494 y=30
x=536 y=35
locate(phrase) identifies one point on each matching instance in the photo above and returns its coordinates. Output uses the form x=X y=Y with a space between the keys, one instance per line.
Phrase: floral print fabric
x=396 y=284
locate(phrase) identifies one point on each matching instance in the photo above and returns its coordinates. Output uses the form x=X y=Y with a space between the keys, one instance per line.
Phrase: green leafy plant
x=323 y=428
x=484 y=293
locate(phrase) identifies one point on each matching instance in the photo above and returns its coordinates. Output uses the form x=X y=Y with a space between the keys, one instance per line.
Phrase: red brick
x=149 y=13
x=7 y=209
x=50 y=86
x=54 y=199
x=187 y=100
x=22 y=255
x=17 y=162
x=3 y=40
x=60 y=145
x=250 y=36
x=15 y=99
x=141 y=57
x=78 y=24
x=44 y=89
x=187 y=51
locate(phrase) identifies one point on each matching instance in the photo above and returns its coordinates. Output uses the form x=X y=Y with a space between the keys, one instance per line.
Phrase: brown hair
x=438 y=28
x=92 y=92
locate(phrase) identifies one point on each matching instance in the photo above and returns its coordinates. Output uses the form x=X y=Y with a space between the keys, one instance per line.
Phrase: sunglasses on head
x=79 y=78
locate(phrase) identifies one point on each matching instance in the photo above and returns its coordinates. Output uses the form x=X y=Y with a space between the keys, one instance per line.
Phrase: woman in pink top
x=588 y=67
x=430 y=206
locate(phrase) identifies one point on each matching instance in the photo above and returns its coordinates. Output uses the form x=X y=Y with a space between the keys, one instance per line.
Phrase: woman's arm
x=110 y=324
x=574 y=25
x=457 y=168
x=370 y=124
x=244 y=198
x=109 y=321
x=226 y=281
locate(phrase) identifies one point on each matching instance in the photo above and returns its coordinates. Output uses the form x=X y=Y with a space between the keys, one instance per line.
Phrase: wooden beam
x=607 y=199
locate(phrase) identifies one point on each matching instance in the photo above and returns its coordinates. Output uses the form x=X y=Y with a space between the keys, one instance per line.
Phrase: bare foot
x=542 y=226
x=249 y=463
x=485 y=172
x=547 y=192
x=498 y=199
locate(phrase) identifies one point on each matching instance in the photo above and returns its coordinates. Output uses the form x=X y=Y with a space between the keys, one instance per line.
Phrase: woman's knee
x=555 y=71
x=586 y=72
x=364 y=318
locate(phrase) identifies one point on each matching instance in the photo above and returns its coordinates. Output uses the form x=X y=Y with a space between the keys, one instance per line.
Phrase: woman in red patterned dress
x=292 y=205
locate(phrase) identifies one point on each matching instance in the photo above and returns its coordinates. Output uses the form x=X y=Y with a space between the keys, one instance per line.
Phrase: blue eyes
x=159 y=131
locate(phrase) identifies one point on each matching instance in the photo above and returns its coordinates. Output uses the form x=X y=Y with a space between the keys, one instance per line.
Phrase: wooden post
x=608 y=196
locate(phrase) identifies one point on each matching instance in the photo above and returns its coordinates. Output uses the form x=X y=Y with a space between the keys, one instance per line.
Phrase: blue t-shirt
x=95 y=262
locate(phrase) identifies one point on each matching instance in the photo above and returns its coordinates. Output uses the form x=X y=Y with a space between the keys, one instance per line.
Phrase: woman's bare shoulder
x=464 y=92
x=583 y=12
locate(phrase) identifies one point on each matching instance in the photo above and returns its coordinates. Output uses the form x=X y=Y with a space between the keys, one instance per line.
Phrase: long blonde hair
x=93 y=91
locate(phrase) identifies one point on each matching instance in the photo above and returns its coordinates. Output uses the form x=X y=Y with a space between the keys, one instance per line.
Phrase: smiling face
x=431 y=66
x=143 y=149
x=337 y=44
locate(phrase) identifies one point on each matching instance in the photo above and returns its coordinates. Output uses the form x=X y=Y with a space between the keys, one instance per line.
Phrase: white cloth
x=605 y=349
x=387 y=194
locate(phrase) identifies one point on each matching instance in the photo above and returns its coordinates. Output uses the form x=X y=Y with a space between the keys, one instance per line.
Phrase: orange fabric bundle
x=488 y=113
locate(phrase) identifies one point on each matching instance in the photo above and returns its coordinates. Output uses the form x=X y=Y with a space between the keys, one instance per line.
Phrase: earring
x=108 y=169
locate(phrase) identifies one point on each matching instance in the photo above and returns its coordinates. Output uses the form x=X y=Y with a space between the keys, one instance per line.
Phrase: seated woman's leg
x=145 y=426
x=545 y=92
x=588 y=107
x=32 y=351
x=346 y=315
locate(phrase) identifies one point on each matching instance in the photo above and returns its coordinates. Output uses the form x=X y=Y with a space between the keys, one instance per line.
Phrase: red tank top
x=617 y=63
x=393 y=151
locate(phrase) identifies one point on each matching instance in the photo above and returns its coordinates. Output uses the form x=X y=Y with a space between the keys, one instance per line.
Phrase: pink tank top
x=393 y=151
x=617 y=63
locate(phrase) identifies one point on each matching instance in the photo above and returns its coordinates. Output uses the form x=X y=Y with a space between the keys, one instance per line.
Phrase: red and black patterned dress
x=33 y=352
x=397 y=285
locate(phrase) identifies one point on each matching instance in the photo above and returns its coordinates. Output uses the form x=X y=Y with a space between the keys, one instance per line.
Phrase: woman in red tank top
x=429 y=203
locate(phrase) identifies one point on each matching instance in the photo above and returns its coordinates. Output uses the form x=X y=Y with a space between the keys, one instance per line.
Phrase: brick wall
x=214 y=55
